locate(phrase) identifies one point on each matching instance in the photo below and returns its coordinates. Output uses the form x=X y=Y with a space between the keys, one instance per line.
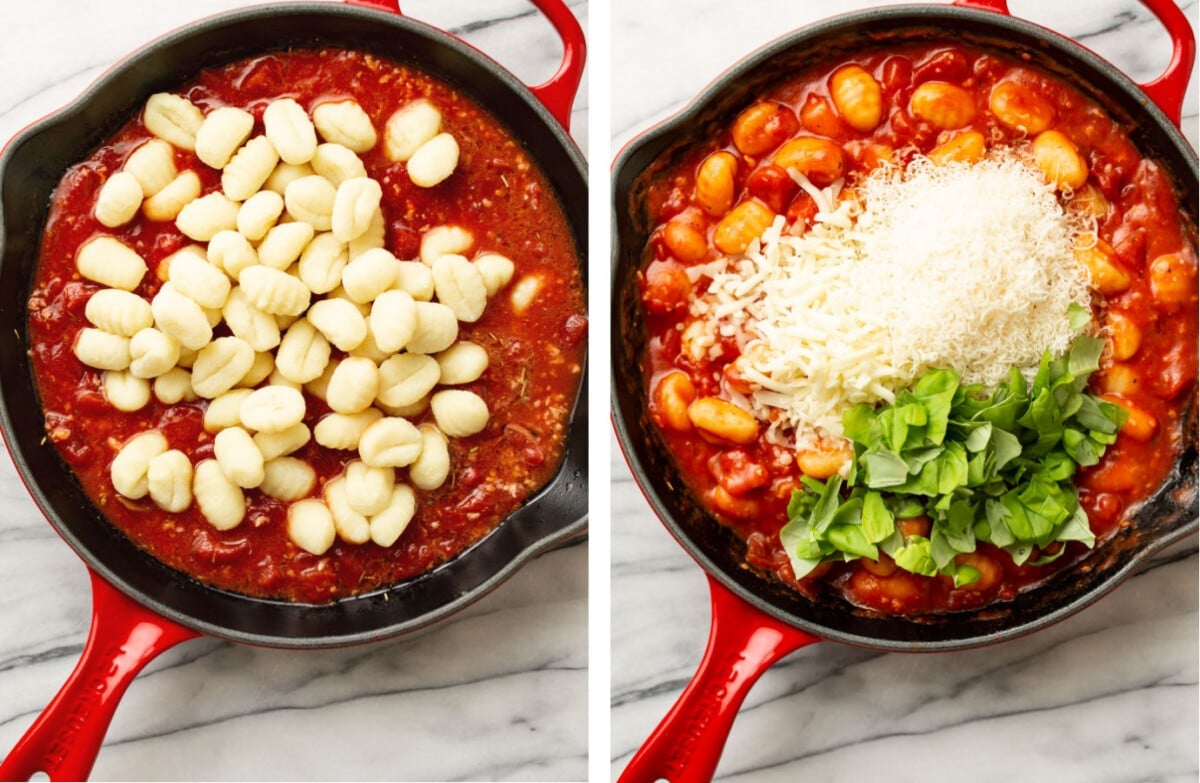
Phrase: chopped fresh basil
x=994 y=466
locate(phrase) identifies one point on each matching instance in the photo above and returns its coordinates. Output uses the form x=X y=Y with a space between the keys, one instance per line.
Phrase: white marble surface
x=1108 y=695
x=498 y=692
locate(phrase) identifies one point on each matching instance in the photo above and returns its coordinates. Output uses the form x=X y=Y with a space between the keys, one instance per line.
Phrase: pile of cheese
x=962 y=266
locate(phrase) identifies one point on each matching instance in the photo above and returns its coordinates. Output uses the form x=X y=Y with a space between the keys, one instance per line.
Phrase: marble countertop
x=1108 y=695
x=497 y=692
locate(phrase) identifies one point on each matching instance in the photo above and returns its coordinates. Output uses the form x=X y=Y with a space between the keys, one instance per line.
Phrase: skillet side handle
x=997 y=6
x=1168 y=89
x=558 y=92
x=64 y=740
x=743 y=642
x=383 y=5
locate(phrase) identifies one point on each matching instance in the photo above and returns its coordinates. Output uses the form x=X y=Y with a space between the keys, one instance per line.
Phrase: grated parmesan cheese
x=961 y=266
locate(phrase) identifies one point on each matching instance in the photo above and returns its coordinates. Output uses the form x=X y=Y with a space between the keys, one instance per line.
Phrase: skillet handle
x=1168 y=88
x=64 y=740
x=742 y=643
x=558 y=92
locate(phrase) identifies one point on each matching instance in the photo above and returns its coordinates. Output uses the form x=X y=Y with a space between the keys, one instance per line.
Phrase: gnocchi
x=390 y=442
x=388 y=525
x=173 y=119
x=310 y=526
x=290 y=130
x=459 y=413
x=169 y=201
x=345 y=123
x=169 y=481
x=109 y=261
x=222 y=502
x=129 y=467
x=118 y=311
x=434 y=161
x=303 y=353
x=287 y=478
x=272 y=409
x=152 y=165
x=119 y=200
x=221 y=134
x=409 y=127
x=238 y=457
x=125 y=391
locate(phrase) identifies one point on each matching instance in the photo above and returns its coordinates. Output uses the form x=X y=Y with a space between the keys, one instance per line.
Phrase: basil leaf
x=1078 y=316
x=877 y=520
x=916 y=556
x=850 y=539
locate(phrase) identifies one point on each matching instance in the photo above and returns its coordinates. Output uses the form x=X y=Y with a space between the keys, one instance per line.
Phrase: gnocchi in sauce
x=838 y=124
x=274 y=327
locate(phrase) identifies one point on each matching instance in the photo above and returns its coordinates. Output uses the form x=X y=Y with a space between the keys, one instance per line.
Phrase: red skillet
x=140 y=607
x=755 y=621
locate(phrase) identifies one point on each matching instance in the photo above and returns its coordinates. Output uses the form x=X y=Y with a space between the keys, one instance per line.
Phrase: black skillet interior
x=31 y=168
x=1169 y=516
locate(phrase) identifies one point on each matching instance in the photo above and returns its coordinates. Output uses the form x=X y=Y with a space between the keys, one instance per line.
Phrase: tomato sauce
x=535 y=359
x=747 y=487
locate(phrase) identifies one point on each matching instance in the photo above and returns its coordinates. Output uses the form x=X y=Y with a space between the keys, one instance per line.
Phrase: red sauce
x=747 y=487
x=496 y=192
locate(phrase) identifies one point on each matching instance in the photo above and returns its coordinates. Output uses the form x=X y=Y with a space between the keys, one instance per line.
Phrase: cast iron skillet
x=154 y=607
x=756 y=619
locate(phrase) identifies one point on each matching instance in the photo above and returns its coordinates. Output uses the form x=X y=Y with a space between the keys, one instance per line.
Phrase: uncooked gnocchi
x=340 y=321
x=220 y=365
x=102 y=350
x=289 y=264
x=173 y=119
x=388 y=525
x=368 y=489
x=124 y=391
x=404 y=379
x=118 y=311
x=166 y=204
x=152 y=165
x=128 y=469
x=223 y=131
x=434 y=161
x=119 y=200
x=287 y=478
x=290 y=130
x=169 y=481
x=109 y=261
x=310 y=200
x=351 y=526
x=180 y=317
x=343 y=431
x=310 y=526
x=272 y=409
x=249 y=169
x=353 y=385
x=345 y=123
x=222 y=502
x=390 y=442
x=409 y=127
x=459 y=413
x=239 y=457
x=303 y=353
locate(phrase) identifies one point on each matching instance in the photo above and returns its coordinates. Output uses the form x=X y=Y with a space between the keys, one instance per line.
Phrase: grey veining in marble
x=497 y=692
x=1107 y=696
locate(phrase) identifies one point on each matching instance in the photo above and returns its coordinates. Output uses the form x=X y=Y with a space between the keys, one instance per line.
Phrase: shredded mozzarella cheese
x=961 y=266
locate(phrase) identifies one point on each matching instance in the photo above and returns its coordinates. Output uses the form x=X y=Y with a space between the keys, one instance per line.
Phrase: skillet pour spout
x=760 y=619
